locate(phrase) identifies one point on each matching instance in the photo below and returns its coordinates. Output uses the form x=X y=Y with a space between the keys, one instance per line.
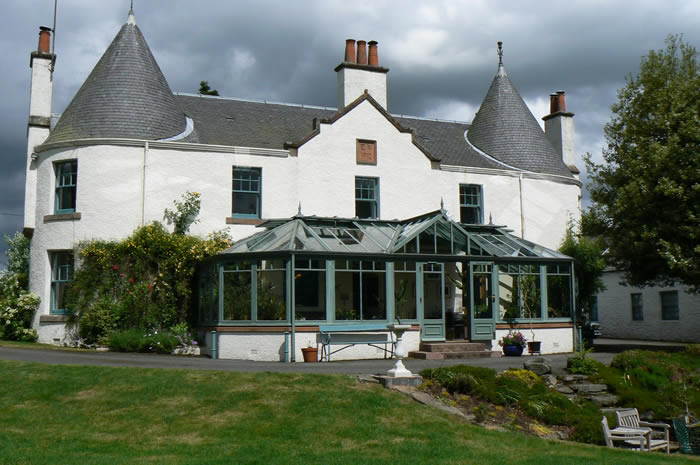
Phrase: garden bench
x=348 y=335
x=630 y=418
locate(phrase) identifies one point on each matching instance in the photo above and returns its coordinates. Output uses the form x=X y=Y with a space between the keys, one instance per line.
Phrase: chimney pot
x=45 y=39
x=373 y=55
x=361 y=52
x=350 y=50
x=562 y=100
x=553 y=103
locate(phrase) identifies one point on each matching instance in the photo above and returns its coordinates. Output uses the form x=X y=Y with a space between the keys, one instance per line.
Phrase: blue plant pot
x=512 y=350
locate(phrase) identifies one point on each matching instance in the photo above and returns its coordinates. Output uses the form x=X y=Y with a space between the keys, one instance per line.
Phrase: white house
x=127 y=146
x=651 y=313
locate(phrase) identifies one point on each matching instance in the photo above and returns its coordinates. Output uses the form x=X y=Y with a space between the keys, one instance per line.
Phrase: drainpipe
x=522 y=214
x=292 y=358
x=143 y=185
x=213 y=346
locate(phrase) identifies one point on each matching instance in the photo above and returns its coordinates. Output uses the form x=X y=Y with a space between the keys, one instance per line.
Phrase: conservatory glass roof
x=431 y=233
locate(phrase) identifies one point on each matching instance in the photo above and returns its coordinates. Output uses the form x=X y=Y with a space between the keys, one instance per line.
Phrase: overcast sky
x=442 y=55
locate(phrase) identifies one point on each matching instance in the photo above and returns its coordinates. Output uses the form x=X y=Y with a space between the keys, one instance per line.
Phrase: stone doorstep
x=451 y=346
x=419 y=354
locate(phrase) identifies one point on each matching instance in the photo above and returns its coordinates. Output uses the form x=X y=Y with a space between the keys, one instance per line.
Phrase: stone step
x=419 y=354
x=452 y=347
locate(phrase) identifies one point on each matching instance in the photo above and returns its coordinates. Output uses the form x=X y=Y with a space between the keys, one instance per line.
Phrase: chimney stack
x=373 y=55
x=350 y=51
x=44 y=39
x=559 y=129
x=361 y=52
x=359 y=73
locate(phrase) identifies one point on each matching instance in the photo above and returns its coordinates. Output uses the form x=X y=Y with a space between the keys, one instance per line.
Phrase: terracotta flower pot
x=310 y=354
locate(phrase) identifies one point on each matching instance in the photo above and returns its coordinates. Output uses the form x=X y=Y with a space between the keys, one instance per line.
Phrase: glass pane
x=245 y=203
x=482 y=296
x=365 y=209
x=373 y=296
x=558 y=296
x=347 y=290
x=432 y=298
x=669 y=305
x=508 y=306
x=469 y=215
x=309 y=294
x=271 y=295
x=405 y=295
x=59 y=296
x=237 y=295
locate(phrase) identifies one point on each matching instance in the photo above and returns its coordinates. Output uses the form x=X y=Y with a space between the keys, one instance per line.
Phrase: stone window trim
x=48 y=319
x=62 y=217
x=252 y=221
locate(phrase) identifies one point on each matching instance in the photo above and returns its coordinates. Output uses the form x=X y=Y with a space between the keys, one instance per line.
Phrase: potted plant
x=530 y=298
x=513 y=343
x=310 y=353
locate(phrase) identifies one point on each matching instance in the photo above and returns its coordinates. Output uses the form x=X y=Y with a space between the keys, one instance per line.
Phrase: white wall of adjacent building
x=615 y=313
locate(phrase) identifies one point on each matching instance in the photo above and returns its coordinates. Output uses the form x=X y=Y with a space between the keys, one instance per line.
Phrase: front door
x=481 y=302
x=431 y=301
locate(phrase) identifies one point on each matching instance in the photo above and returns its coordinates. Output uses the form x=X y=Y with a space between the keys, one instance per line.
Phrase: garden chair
x=631 y=439
x=659 y=437
x=689 y=442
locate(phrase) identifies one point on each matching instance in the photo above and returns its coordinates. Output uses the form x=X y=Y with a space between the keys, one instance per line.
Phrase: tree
x=204 y=89
x=588 y=268
x=646 y=196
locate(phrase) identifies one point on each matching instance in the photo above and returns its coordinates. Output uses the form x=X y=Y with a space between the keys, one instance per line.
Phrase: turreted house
x=342 y=216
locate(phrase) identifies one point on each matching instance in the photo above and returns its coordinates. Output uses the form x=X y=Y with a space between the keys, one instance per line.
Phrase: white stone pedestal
x=399 y=370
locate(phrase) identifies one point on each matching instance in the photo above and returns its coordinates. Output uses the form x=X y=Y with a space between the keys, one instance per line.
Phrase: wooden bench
x=348 y=335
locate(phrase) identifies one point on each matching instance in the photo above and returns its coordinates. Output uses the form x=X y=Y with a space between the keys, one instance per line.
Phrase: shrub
x=138 y=340
x=582 y=364
x=143 y=281
x=17 y=308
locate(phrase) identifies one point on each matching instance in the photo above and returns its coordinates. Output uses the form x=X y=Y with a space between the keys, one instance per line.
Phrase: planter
x=512 y=350
x=534 y=347
x=310 y=354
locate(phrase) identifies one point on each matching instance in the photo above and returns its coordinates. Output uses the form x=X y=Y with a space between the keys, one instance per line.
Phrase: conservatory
x=266 y=297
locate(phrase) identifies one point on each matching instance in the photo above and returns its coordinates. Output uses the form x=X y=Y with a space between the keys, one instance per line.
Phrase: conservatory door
x=431 y=300
x=481 y=300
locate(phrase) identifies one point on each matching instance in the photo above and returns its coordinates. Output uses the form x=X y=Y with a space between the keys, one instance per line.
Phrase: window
x=246 y=192
x=471 y=204
x=637 y=307
x=61 y=276
x=367 y=197
x=669 y=305
x=360 y=290
x=66 y=185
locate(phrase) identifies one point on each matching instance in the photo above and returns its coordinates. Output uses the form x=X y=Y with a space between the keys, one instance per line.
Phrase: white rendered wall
x=269 y=347
x=615 y=313
x=554 y=340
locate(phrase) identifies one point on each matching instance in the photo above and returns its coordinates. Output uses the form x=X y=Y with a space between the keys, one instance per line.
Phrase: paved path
x=355 y=367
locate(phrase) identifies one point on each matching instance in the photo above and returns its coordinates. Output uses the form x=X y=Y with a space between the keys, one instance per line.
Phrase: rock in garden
x=549 y=380
x=564 y=389
x=585 y=387
x=604 y=400
x=538 y=365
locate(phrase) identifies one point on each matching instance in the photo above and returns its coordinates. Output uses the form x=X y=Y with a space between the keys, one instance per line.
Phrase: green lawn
x=95 y=415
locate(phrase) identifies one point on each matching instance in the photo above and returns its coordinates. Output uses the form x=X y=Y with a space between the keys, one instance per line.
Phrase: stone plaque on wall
x=366 y=152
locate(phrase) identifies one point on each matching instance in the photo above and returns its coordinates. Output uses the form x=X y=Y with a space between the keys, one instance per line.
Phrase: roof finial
x=131 y=19
x=490 y=219
x=500 y=53
x=442 y=203
x=299 y=210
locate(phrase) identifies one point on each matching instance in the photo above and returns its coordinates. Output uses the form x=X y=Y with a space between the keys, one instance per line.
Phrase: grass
x=98 y=415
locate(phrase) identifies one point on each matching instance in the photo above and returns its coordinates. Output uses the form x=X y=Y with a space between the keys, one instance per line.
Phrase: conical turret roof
x=505 y=129
x=125 y=96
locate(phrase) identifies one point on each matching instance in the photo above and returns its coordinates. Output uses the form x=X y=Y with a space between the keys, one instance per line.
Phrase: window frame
x=57 y=279
x=372 y=201
x=665 y=306
x=60 y=188
x=463 y=195
x=257 y=193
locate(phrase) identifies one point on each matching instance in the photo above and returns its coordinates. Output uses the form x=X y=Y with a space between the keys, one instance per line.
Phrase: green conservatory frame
x=353 y=271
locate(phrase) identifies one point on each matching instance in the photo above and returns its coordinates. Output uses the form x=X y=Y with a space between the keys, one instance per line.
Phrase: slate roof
x=125 y=95
x=505 y=129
